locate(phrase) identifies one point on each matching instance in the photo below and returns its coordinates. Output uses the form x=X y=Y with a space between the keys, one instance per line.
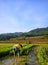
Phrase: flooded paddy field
x=38 y=55
x=13 y=61
x=29 y=59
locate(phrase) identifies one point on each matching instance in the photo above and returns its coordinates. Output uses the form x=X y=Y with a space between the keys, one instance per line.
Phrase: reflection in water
x=14 y=60
x=31 y=59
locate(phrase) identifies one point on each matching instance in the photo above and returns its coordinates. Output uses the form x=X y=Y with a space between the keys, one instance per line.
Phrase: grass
x=41 y=54
x=6 y=49
x=42 y=57
x=26 y=48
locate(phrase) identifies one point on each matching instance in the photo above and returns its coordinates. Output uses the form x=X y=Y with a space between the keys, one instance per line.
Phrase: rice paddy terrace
x=31 y=54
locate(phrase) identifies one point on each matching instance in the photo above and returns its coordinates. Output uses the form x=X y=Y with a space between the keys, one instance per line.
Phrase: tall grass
x=7 y=49
x=41 y=55
x=26 y=48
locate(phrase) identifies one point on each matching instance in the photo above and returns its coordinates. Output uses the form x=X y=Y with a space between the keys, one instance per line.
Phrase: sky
x=23 y=15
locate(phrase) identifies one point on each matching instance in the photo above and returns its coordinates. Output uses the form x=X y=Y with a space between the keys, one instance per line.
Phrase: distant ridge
x=39 y=31
x=35 y=32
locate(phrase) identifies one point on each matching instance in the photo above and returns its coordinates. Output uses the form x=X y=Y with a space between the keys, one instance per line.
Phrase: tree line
x=32 y=33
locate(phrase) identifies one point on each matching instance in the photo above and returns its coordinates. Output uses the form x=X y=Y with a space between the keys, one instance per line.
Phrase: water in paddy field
x=31 y=59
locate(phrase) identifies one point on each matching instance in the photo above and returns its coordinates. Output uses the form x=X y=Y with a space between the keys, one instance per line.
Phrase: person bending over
x=17 y=48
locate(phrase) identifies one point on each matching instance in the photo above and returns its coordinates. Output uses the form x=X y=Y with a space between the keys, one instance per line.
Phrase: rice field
x=7 y=49
x=41 y=51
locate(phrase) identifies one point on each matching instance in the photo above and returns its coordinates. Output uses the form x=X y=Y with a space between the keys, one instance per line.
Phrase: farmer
x=17 y=48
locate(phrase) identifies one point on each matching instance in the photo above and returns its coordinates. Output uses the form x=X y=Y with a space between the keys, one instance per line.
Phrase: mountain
x=35 y=32
x=38 y=32
x=7 y=36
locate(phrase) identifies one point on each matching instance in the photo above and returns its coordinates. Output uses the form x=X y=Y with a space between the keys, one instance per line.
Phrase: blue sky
x=23 y=15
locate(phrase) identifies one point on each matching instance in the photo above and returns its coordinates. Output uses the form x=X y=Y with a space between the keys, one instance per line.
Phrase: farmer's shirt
x=18 y=46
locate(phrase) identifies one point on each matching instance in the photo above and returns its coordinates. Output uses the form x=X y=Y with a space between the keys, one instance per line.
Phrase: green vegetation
x=38 y=32
x=6 y=49
x=42 y=55
x=41 y=51
x=32 y=33
x=38 y=36
x=26 y=48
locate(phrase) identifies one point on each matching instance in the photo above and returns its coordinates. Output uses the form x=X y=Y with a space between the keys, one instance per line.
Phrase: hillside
x=38 y=32
x=35 y=32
